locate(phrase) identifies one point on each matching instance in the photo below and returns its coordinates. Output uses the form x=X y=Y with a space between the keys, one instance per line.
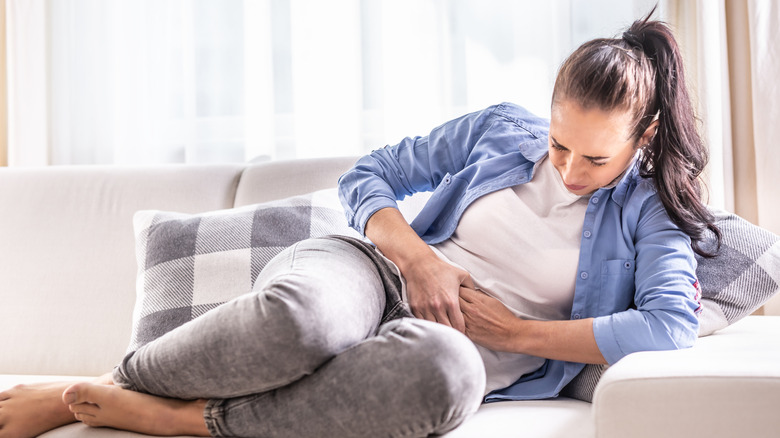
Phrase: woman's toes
x=77 y=393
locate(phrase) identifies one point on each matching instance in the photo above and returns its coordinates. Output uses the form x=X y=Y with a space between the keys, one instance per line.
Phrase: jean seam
x=214 y=414
x=293 y=256
x=216 y=411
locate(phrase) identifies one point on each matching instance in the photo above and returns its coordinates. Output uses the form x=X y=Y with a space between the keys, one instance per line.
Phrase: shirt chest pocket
x=617 y=284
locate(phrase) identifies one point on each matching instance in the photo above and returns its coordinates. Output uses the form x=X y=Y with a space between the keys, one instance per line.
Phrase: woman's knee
x=319 y=300
x=449 y=372
x=299 y=335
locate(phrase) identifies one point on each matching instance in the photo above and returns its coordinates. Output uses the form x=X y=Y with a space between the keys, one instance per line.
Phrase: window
x=228 y=80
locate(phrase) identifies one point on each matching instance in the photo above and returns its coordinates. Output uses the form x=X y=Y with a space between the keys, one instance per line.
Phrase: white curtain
x=763 y=22
x=159 y=81
x=733 y=52
x=700 y=28
x=764 y=25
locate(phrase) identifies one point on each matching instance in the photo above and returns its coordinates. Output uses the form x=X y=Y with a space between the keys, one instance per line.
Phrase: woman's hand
x=488 y=321
x=433 y=287
x=442 y=293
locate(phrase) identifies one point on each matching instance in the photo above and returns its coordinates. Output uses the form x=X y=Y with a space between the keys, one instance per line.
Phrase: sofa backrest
x=280 y=179
x=67 y=251
x=67 y=257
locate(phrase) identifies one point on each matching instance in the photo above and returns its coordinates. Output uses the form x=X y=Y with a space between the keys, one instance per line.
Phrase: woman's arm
x=490 y=324
x=416 y=164
x=664 y=317
x=369 y=192
x=666 y=300
x=432 y=285
x=370 y=189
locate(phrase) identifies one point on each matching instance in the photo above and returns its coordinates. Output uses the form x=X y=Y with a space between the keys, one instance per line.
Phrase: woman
x=549 y=245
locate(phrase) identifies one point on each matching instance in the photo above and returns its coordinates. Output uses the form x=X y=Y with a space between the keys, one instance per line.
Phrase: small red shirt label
x=698 y=297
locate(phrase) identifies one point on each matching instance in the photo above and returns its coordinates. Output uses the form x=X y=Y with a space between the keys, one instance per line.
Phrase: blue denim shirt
x=636 y=271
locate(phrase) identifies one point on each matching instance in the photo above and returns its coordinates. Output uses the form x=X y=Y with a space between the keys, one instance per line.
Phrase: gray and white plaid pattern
x=743 y=276
x=190 y=264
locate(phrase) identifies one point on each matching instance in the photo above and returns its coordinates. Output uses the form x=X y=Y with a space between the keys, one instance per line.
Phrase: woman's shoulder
x=637 y=190
x=642 y=205
x=522 y=118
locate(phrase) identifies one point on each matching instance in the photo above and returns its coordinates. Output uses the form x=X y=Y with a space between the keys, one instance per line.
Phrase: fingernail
x=69 y=398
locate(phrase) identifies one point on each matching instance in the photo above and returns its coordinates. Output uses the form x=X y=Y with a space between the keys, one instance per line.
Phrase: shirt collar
x=620 y=190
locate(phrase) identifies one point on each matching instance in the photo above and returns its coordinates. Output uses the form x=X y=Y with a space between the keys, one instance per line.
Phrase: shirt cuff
x=606 y=339
x=368 y=209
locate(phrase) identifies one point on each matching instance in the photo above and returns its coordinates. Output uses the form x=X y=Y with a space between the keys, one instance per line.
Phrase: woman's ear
x=649 y=133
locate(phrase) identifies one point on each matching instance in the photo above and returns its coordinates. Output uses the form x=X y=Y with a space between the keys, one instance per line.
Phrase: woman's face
x=589 y=148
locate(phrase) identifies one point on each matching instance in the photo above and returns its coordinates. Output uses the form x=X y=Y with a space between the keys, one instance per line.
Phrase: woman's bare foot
x=29 y=410
x=99 y=405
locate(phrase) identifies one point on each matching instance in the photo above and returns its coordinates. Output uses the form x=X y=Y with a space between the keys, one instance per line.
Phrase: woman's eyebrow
x=593 y=158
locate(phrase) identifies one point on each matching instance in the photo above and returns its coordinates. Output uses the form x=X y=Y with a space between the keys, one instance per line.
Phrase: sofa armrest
x=727 y=385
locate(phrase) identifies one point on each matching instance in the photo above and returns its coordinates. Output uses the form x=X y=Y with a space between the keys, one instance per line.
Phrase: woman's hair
x=642 y=73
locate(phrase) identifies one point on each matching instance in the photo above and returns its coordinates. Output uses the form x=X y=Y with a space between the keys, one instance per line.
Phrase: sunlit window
x=231 y=80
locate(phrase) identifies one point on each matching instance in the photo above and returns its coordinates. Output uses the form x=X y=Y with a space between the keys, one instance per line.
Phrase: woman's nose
x=572 y=172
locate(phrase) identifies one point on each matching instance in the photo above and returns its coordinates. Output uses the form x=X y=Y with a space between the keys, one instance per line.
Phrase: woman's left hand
x=488 y=322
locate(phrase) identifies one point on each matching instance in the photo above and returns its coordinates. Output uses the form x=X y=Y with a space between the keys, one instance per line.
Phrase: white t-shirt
x=521 y=245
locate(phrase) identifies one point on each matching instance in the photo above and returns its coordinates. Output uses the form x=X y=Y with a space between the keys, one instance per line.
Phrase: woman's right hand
x=432 y=284
x=433 y=288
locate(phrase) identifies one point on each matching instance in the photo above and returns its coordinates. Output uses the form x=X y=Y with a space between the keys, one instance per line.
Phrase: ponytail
x=642 y=72
x=677 y=155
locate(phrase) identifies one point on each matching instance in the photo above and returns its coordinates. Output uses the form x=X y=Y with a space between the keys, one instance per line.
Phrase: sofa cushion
x=744 y=275
x=741 y=278
x=191 y=263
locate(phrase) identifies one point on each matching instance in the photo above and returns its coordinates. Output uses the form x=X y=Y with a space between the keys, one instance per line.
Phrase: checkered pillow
x=744 y=275
x=189 y=264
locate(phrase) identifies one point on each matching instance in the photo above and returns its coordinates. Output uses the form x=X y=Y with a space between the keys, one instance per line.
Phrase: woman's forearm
x=390 y=232
x=571 y=341
x=432 y=285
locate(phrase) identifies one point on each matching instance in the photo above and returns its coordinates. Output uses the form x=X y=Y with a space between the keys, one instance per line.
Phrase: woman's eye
x=597 y=164
x=558 y=147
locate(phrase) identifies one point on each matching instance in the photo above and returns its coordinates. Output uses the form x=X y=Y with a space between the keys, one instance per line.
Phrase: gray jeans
x=306 y=354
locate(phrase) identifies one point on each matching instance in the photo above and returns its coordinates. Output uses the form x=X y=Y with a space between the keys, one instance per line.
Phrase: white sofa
x=67 y=288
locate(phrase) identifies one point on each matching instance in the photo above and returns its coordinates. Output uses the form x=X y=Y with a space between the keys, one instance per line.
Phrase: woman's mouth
x=574 y=188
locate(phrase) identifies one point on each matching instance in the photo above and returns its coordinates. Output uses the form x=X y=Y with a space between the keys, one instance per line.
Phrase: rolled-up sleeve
x=665 y=294
x=416 y=164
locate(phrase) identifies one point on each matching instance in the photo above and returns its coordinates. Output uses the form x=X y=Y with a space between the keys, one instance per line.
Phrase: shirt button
x=627 y=265
x=586 y=233
x=576 y=316
x=584 y=275
x=595 y=200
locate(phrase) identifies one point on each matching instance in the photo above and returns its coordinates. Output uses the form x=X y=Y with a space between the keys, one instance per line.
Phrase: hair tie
x=632 y=39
